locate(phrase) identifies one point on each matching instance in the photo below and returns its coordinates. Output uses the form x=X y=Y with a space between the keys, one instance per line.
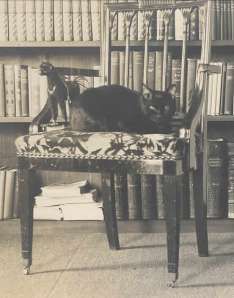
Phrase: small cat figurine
x=58 y=92
x=117 y=108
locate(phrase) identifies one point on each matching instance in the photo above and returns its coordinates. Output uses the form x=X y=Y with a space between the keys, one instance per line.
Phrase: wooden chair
x=47 y=151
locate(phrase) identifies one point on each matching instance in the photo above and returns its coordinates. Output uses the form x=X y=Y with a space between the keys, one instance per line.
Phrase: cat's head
x=46 y=68
x=158 y=104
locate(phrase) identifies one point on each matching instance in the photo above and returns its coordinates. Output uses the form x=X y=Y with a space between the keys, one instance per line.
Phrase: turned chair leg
x=109 y=210
x=200 y=208
x=171 y=194
x=26 y=216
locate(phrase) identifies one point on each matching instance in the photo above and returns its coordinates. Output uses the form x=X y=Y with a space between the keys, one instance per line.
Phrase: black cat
x=116 y=108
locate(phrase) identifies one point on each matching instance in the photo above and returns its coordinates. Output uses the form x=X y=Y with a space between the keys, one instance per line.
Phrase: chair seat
x=103 y=145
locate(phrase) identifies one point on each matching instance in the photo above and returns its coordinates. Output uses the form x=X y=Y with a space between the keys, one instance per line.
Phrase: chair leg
x=200 y=209
x=171 y=194
x=109 y=210
x=26 y=216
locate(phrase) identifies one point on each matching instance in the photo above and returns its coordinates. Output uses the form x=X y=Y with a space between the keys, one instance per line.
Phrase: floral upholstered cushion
x=103 y=145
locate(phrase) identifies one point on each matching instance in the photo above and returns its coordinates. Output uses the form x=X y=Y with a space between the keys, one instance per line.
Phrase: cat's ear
x=147 y=92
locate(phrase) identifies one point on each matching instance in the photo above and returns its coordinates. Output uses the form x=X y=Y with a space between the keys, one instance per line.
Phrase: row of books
x=141 y=197
x=9 y=203
x=223 y=25
x=71 y=201
x=24 y=92
x=221 y=90
x=155 y=66
x=49 y=20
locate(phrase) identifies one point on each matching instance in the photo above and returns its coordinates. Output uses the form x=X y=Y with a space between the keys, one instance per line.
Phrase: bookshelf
x=86 y=54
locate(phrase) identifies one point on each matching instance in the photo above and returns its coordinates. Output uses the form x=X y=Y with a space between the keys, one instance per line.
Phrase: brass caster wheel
x=172 y=278
x=26 y=271
x=171 y=284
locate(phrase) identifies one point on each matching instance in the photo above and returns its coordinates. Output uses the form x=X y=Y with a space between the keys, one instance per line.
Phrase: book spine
x=229 y=89
x=21 y=20
x=18 y=103
x=134 y=29
x=193 y=28
x=9 y=194
x=229 y=19
x=96 y=19
x=34 y=91
x=217 y=21
x=178 y=25
x=2 y=192
x=150 y=69
x=225 y=20
x=140 y=26
x=120 y=187
x=12 y=20
x=148 y=201
x=191 y=79
x=221 y=20
x=115 y=67
x=31 y=20
x=160 y=29
x=2 y=92
x=77 y=20
x=39 y=7
x=121 y=67
x=158 y=70
x=67 y=20
x=201 y=22
x=16 y=211
x=58 y=20
x=4 y=25
x=86 y=20
x=121 y=24
x=9 y=90
x=130 y=85
x=48 y=20
x=134 y=196
x=169 y=69
x=114 y=32
x=215 y=183
x=232 y=17
x=138 y=64
x=159 y=197
x=24 y=90
x=171 y=28
x=175 y=78
x=191 y=196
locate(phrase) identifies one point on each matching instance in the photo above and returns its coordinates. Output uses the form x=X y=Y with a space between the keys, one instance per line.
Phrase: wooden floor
x=72 y=260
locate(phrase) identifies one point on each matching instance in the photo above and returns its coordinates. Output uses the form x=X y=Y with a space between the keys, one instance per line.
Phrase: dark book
x=160 y=206
x=225 y=20
x=138 y=66
x=194 y=25
x=229 y=20
x=191 y=79
x=169 y=69
x=151 y=72
x=229 y=90
x=120 y=187
x=115 y=67
x=10 y=90
x=175 y=79
x=171 y=28
x=216 y=178
x=134 y=196
x=230 y=180
x=232 y=17
x=222 y=20
x=148 y=202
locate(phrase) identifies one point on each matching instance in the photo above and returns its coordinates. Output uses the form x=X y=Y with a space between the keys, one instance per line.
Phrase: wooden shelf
x=16 y=119
x=50 y=44
x=223 y=118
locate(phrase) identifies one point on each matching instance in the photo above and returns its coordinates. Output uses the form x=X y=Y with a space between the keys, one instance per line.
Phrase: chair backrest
x=196 y=116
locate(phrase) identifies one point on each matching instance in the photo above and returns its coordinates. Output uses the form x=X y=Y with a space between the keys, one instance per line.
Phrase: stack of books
x=9 y=199
x=72 y=201
x=49 y=20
